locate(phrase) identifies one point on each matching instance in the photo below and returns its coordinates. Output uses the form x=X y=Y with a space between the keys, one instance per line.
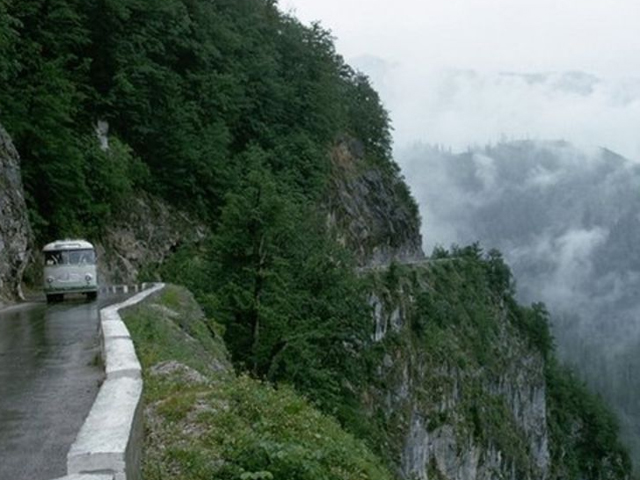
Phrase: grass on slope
x=204 y=422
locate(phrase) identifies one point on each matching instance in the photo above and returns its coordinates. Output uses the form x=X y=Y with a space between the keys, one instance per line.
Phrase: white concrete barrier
x=84 y=476
x=123 y=288
x=120 y=358
x=108 y=446
x=110 y=432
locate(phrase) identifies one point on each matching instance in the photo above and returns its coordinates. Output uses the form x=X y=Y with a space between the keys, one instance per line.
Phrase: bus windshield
x=70 y=257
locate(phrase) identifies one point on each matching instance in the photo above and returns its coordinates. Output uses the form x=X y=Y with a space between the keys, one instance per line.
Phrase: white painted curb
x=82 y=476
x=109 y=444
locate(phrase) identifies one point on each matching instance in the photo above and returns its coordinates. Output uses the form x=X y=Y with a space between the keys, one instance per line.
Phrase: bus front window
x=70 y=257
x=87 y=257
x=53 y=258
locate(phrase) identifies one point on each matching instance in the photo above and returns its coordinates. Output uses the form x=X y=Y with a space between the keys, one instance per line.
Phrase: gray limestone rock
x=429 y=406
x=15 y=232
x=369 y=209
x=146 y=234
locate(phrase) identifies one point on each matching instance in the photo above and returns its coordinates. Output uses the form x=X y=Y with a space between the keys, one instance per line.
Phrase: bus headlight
x=49 y=279
x=88 y=277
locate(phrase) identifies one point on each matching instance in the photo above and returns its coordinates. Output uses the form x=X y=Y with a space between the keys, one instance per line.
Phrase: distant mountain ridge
x=274 y=164
x=567 y=220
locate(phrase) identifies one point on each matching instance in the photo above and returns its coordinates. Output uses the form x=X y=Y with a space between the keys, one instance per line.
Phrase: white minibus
x=69 y=267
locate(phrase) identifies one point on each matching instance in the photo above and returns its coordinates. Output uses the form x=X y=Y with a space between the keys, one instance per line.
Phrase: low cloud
x=567 y=221
x=459 y=108
x=568 y=259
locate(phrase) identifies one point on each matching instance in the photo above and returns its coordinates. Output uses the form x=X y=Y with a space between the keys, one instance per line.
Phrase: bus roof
x=67 y=245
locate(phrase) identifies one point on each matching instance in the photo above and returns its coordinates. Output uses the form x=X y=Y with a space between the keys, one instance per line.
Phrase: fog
x=567 y=220
x=462 y=72
x=487 y=35
x=458 y=108
x=506 y=115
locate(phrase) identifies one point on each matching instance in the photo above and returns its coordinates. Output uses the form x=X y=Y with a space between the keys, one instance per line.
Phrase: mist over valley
x=542 y=165
x=285 y=180
x=459 y=107
x=567 y=220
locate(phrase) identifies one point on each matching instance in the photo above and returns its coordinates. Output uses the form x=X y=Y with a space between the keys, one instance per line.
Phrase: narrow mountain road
x=49 y=376
x=417 y=262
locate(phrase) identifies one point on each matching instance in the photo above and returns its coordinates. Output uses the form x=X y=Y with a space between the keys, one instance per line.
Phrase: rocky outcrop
x=15 y=232
x=460 y=456
x=370 y=209
x=454 y=407
x=142 y=236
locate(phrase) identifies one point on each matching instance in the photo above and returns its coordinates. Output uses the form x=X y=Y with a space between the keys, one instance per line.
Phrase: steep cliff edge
x=459 y=380
x=466 y=386
x=463 y=381
x=143 y=236
x=15 y=233
x=370 y=209
x=566 y=218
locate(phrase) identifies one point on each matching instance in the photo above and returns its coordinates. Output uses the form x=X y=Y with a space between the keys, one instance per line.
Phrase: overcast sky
x=523 y=35
x=415 y=51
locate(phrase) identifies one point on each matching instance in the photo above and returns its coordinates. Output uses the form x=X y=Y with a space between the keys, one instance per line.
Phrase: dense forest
x=227 y=109
x=197 y=94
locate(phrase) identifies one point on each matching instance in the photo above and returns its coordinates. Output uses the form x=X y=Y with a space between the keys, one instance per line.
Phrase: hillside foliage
x=192 y=91
x=205 y=422
x=227 y=109
x=462 y=333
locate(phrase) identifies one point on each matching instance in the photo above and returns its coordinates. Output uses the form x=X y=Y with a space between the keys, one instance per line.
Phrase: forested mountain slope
x=196 y=94
x=467 y=385
x=566 y=219
x=276 y=155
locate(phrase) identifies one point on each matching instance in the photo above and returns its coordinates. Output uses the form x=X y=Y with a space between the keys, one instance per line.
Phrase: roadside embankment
x=204 y=421
x=109 y=443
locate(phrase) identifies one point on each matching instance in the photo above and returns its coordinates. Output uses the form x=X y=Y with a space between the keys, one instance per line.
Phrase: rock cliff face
x=15 y=233
x=567 y=218
x=143 y=235
x=463 y=382
x=370 y=208
x=461 y=391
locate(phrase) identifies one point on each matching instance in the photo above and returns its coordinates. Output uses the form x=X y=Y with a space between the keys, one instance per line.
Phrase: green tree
x=8 y=39
x=499 y=273
x=247 y=254
x=40 y=105
x=293 y=309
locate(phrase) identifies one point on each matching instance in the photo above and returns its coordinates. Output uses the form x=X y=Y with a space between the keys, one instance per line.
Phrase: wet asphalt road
x=49 y=377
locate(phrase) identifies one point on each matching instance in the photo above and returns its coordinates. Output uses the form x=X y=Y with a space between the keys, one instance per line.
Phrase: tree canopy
x=188 y=88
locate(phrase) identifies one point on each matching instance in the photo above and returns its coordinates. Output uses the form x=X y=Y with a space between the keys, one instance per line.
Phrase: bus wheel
x=92 y=295
x=52 y=298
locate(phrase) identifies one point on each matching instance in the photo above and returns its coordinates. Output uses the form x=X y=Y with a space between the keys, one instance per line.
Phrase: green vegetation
x=293 y=309
x=467 y=345
x=203 y=422
x=464 y=336
x=584 y=432
x=194 y=92
x=228 y=109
